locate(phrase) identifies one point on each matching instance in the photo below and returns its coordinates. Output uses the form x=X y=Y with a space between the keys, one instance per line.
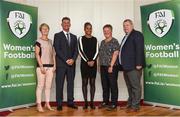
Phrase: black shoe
x=85 y=106
x=103 y=105
x=59 y=108
x=73 y=106
x=92 y=106
x=112 y=107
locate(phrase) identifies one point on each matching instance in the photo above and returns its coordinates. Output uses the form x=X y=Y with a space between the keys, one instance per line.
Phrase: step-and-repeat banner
x=18 y=32
x=161 y=29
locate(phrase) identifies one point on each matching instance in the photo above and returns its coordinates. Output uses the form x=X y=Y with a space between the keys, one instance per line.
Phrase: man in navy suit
x=65 y=45
x=132 y=60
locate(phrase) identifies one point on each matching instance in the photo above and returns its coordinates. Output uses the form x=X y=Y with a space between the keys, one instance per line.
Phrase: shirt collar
x=127 y=34
x=66 y=32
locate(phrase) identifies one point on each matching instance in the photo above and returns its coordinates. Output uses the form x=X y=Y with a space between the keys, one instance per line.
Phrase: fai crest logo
x=160 y=21
x=19 y=23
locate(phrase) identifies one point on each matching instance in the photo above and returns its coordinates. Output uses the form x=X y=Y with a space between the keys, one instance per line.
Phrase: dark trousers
x=133 y=79
x=61 y=72
x=109 y=84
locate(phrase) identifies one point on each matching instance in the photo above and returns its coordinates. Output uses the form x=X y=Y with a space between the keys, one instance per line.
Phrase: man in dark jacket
x=65 y=44
x=132 y=60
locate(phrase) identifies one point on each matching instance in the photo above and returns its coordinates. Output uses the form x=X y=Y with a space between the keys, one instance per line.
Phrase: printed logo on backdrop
x=19 y=23
x=160 y=21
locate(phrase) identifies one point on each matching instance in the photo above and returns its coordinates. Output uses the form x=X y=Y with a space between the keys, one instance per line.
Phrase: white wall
x=99 y=13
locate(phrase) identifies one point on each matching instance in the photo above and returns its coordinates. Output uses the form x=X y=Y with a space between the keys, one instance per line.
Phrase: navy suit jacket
x=132 y=53
x=63 y=50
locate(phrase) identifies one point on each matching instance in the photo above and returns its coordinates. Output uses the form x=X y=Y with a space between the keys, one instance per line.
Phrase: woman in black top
x=88 y=50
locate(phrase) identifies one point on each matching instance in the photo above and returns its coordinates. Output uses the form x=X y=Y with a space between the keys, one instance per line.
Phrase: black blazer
x=63 y=50
x=132 y=53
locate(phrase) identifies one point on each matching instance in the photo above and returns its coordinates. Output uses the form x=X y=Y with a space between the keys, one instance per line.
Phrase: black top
x=88 y=48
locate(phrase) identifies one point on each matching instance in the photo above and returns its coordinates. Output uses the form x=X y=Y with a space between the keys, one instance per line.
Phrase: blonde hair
x=43 y=24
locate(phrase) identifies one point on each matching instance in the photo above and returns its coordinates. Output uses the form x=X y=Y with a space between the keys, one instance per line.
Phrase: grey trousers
x=133 y=79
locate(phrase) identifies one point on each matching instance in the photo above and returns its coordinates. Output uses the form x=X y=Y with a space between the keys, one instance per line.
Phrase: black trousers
x=109 y=84
x=61 y=73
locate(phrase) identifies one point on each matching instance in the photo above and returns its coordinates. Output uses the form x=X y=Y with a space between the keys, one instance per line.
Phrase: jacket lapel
x=129 y=36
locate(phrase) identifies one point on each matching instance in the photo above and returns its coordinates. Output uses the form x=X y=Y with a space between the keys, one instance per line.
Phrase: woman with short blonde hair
x=45 y=56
